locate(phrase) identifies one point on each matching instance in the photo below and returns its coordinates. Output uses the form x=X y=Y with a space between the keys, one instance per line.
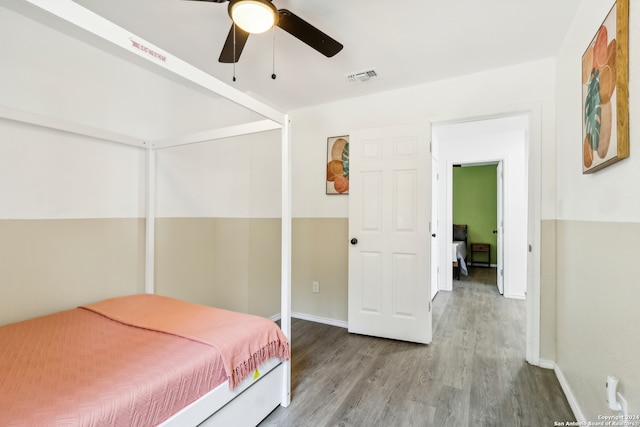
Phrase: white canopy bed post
x=285 y=310
x=150 y=227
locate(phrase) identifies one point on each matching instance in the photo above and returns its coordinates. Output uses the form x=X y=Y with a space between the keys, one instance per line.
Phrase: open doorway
x=476 y=211
x=483 y=142
x=514 y=141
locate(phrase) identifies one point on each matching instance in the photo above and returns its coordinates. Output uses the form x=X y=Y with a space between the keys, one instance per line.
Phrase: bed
x=257 y=395
x=459 y=246
x=135 y=360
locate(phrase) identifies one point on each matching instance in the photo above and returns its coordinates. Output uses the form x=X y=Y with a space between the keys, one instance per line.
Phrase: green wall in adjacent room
x=474 y=203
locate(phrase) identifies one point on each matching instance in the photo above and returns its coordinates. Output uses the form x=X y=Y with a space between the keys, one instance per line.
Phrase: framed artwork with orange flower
x=605 y=92
x=338 y=165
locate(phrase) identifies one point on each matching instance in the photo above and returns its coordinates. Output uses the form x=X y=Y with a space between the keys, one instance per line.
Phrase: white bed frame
x=254 y=398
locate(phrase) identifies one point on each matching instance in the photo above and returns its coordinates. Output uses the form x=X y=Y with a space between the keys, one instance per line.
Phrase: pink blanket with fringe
x=244 y=341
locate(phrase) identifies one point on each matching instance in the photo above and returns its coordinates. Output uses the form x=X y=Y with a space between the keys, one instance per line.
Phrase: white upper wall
x=610 y=194
x=517 y=88
x=232 y=178
x=48 y=174
x=51 y=174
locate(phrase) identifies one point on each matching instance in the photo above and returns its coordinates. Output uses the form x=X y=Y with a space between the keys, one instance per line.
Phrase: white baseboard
x=275 y=317
x=312 y=318
x=573 y=402
x=317 y=319
x=546 y=364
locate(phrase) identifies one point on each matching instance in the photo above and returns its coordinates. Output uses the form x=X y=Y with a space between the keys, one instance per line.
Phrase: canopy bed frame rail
x=85 y=25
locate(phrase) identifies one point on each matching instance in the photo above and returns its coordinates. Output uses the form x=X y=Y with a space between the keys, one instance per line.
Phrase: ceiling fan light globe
x=253 y=16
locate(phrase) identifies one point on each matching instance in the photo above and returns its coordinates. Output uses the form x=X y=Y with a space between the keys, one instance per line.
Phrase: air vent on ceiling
x=362 y=76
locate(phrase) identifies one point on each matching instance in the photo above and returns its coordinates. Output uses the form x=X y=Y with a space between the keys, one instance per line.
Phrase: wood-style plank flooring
x=473 y=373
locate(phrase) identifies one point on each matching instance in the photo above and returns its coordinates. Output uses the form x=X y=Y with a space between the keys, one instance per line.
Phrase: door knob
x=354 y=241
x=433 y=235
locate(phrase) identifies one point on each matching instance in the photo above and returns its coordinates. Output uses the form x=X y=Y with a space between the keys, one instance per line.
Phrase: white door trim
x=500 y=226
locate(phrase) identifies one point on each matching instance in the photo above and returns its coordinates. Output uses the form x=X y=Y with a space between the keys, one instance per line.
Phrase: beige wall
x=598 y=313
x=265 y=247
x=548 y=290
x=320 y=253
x=232 y=263
x=51 y=265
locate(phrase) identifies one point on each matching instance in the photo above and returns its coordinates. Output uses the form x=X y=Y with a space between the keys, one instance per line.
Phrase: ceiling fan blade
x=307 y=33
x=226 y=55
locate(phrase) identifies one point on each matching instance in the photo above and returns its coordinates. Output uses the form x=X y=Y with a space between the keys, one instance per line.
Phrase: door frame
x=533 y=154
x=500 y=226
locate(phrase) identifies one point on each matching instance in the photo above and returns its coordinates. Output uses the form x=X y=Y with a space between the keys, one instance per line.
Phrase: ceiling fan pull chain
x=234 y=51
x=273 y=72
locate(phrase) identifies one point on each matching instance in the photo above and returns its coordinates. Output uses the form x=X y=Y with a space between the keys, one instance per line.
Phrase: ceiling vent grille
x=362 y=76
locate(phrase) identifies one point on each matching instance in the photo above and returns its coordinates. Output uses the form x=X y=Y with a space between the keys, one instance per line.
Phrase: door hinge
x=429 y=306
x=502 y=272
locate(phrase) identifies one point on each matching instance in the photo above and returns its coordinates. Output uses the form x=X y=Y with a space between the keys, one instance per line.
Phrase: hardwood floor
x=473 y=373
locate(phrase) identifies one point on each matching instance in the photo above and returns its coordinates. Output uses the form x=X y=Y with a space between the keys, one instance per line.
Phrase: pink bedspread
x=78 y=367
x=244 y=341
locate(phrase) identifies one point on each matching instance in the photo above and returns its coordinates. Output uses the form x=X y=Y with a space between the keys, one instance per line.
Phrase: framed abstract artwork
x=605 y=92
x=338 y=165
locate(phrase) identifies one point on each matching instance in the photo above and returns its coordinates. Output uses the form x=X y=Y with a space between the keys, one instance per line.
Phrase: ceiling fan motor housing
x=253 y=16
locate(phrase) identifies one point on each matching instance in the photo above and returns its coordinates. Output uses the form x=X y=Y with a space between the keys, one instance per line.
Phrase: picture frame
x=337 y=179
x=605 y=92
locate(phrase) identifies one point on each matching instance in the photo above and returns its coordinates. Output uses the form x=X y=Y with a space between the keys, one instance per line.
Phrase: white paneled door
x=389 y=248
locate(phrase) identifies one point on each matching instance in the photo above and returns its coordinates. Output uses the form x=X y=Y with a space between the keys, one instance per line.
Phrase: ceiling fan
x=246 y=13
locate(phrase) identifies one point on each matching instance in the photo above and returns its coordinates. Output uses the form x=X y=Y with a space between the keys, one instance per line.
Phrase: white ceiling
x=407 y=42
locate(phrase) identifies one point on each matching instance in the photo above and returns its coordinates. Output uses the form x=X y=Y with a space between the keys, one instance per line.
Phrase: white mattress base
x=246 y=405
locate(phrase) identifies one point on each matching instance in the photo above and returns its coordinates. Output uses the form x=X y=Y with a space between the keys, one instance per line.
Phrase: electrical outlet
x=315 y=286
